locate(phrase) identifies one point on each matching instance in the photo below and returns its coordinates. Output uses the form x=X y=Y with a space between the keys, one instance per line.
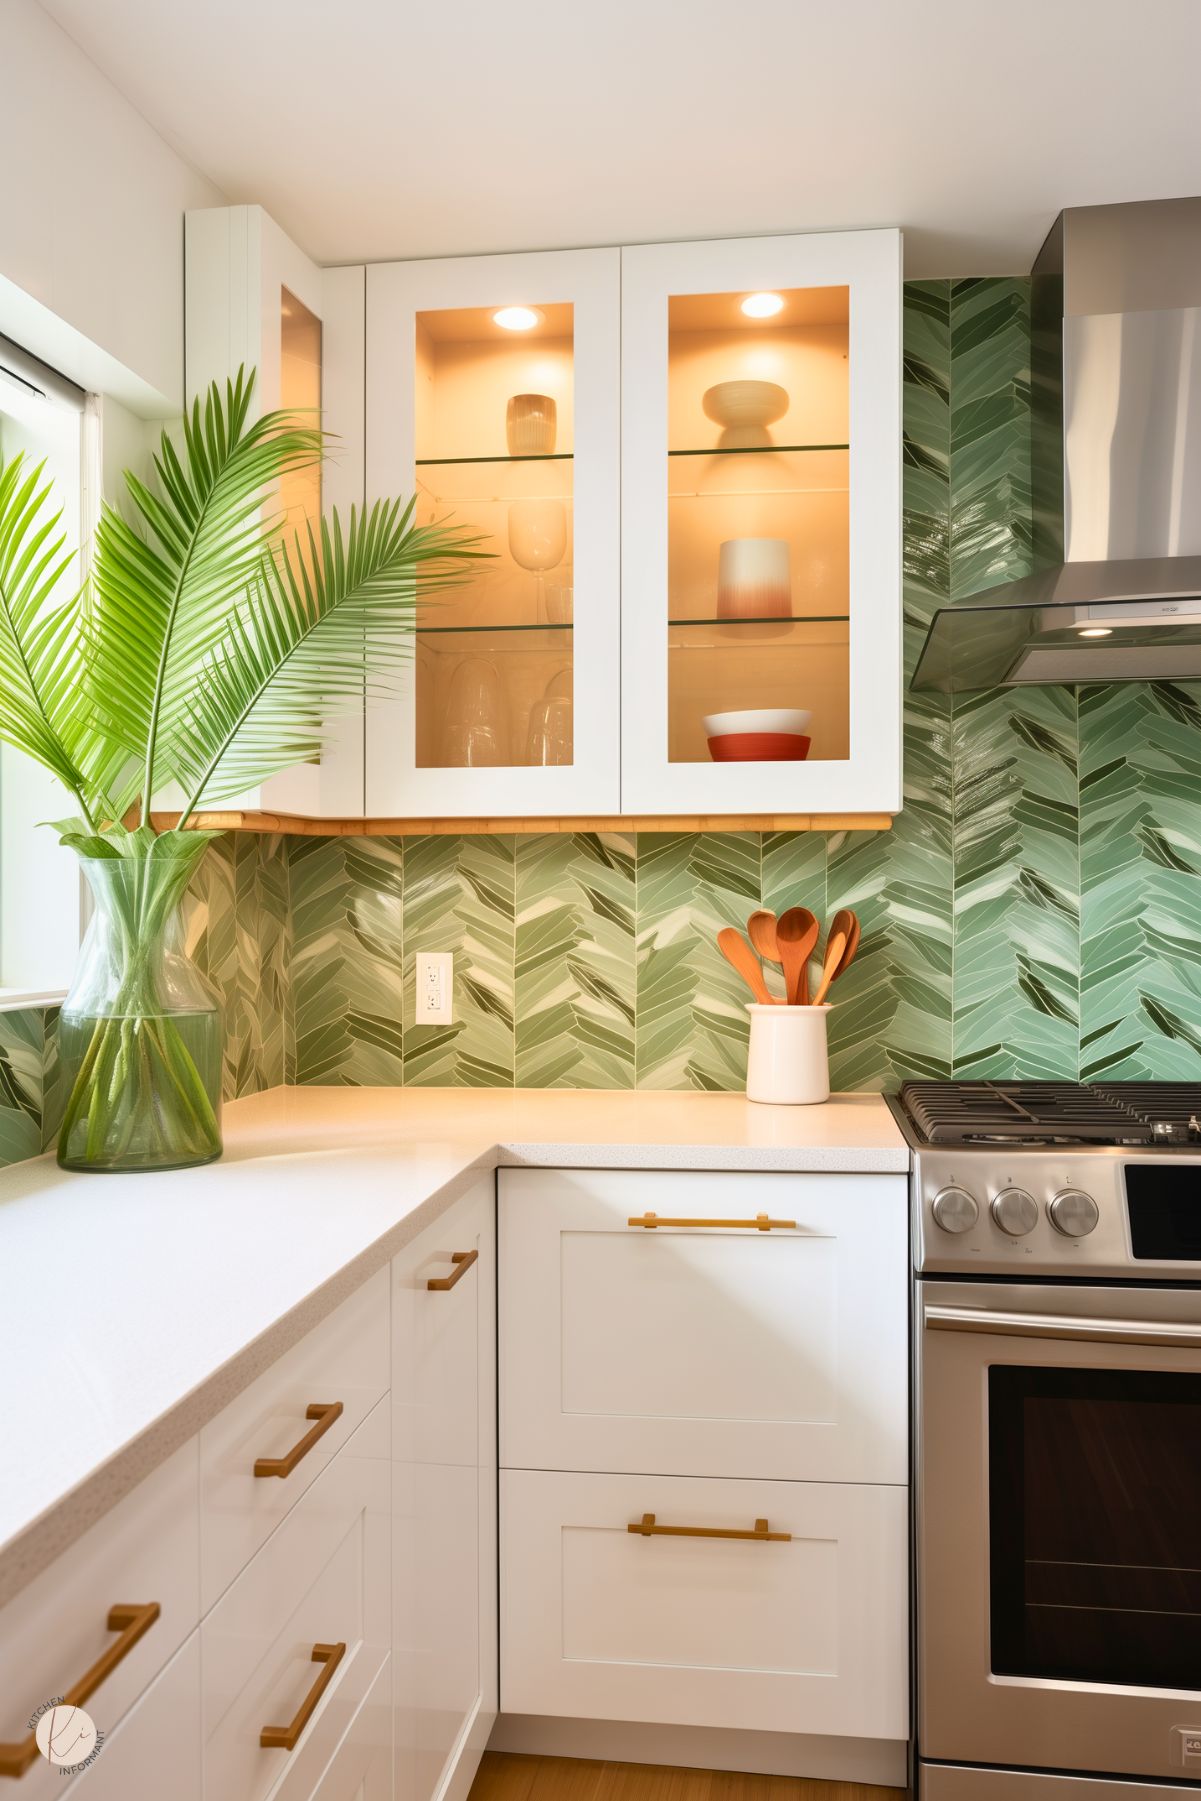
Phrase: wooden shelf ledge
x=297 y=826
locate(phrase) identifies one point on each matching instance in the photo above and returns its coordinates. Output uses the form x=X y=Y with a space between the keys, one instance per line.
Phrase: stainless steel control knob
x=1015 y=1211
x=1074 y=1213
x=954 y=1209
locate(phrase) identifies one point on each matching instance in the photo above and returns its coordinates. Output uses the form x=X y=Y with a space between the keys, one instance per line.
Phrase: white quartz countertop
x=136 y=1307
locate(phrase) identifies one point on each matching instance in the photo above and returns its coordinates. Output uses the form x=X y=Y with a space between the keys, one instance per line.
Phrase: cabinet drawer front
x=156 y=1748
x=361 y=1767
x=344 y=1359
x=711 y=1350
x=146 y=1549
x=807 y=1634
x=321 y=1579
x=444 y=1498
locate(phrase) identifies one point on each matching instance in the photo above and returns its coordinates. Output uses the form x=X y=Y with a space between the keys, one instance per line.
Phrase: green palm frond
x=325 y=618
x=40 y=663
x=166 y=587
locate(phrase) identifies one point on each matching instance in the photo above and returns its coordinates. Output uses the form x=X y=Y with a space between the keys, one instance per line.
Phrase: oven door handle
x=1058 y=1325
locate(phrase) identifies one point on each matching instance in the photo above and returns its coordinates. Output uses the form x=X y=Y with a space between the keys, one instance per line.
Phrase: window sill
x=13 y=1000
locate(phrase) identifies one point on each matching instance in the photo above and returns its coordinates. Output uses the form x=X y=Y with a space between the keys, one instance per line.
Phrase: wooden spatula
x=739 y=955
x=836 y=944
x=796 y=937
x=761 y=930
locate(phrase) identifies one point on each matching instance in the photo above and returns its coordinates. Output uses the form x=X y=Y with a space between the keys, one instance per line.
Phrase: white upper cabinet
x=685 y=508
x=493 y=391
x=761 y=526
x=255 y=301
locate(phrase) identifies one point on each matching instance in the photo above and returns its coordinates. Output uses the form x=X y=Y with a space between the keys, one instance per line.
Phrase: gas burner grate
x=1023 y=1112
x=1171 y=1109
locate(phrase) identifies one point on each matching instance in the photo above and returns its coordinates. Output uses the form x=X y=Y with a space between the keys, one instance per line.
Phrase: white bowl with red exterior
x=759 y=735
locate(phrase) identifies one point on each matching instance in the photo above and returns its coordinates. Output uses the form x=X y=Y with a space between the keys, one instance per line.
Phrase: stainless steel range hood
x=1115 y=467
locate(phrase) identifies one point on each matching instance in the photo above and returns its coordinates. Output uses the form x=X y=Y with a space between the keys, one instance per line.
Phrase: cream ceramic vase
x=787 y=1062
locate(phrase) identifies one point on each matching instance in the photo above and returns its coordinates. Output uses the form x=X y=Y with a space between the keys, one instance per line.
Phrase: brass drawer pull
x=131 y=1622
x=325 y=1413
x=646 y=1528
x=463 y=1261
x=760 y=1222
x=283 y=1738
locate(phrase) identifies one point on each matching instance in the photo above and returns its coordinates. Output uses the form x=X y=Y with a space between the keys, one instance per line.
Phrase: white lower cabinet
x=740 y=1340
x=444 y=1498
x=801 y=1633
x=129 y=1585
x=777 y=1352
x=315 y=1595
x=155 y=1751
x=317 y=1394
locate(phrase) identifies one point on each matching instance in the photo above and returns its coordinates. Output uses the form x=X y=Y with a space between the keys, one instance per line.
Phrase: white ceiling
x=379 y=128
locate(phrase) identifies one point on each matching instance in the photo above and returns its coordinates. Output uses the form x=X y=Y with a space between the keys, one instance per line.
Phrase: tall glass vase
x=140 y=1039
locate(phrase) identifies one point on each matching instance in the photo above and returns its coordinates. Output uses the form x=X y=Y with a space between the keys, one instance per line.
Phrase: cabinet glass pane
x=300 y=389
x=758 y=590
x=493 y=434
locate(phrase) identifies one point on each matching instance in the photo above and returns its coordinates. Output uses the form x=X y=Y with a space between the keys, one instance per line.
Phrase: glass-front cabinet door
x=761 y=601
x=256 y=301
x=493 y=395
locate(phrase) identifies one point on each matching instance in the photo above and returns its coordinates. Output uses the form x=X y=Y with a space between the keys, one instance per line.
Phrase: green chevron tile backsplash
x=1036 y=910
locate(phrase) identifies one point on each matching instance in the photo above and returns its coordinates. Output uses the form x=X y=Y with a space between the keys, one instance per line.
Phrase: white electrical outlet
x=435 y=988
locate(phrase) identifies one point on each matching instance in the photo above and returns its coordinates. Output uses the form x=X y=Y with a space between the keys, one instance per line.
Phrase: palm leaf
x=326 y=621
x=166 y=585
x=40 y=687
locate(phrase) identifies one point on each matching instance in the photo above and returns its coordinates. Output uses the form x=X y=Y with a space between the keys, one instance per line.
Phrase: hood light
x=517 y=318
x=1095 y=631
x=763 y=306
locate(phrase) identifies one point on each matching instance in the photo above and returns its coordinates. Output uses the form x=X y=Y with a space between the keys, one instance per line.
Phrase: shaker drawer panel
x=156 y=1748
x=144 y=1551
x=361 y=1767
x=321 y=1580
x=776 y=1353
x=804 y=1634
x=342 y=1362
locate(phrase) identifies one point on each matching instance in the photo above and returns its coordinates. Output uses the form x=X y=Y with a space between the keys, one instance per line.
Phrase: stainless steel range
x=1057 y=1244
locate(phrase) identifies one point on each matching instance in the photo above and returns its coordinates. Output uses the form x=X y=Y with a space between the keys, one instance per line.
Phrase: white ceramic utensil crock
x=787 y=1064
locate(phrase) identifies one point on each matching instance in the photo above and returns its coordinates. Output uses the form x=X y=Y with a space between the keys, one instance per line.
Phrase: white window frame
x=35 y=972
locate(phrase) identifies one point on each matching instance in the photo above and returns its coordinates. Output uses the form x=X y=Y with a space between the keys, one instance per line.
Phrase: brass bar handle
x=283 y=1738
x=462 y=1261
x=132 y=1623
x=325 y=1413
x=646 y=1528
x=760 y=1222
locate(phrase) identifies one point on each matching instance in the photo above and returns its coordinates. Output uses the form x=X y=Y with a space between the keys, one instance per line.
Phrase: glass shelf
x=441 y=631
x=783 y=622
x=752 y=450
x=555 y=456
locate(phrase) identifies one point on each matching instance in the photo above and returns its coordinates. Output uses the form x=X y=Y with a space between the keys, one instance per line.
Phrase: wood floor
x=503 y=1776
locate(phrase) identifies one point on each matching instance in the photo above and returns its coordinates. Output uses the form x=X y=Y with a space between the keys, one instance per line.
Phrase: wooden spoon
x=836 y=944
x=739 y=955
x=761 y=930
x=851 y=947
x=796 y=936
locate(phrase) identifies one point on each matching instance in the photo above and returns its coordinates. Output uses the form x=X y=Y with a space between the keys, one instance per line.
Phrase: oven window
x=1095 y=1525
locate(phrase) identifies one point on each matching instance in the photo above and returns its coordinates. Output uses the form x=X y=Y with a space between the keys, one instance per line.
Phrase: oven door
x=1059 y=1528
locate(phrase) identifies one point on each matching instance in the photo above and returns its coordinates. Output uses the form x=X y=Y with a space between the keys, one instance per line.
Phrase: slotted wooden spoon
x=796 y=937
x=739 y=955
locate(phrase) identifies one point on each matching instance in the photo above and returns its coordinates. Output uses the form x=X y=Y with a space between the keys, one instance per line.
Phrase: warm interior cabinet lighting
x=762 y=306
x=517 y=318
x=1095 y=631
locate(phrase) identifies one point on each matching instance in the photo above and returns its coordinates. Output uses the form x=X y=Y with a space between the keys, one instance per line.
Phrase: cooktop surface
x=1079 y=1114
